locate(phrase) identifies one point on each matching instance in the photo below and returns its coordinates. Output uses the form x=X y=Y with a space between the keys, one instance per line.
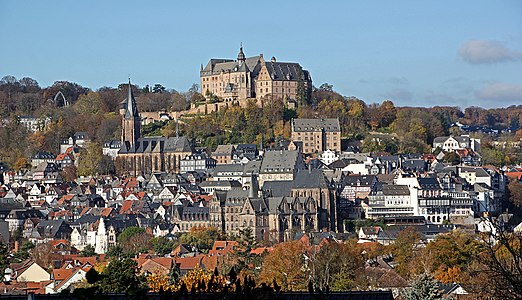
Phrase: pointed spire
x=131 y=109
x=241 y=55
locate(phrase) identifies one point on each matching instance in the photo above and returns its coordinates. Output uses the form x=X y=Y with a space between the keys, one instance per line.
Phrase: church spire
x=131 y=127
x=131 y=110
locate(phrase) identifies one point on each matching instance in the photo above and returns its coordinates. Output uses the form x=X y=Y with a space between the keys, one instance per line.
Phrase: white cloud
x=487 y=52
x=501 y=92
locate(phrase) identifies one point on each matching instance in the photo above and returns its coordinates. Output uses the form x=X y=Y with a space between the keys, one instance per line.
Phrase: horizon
x=418 y=55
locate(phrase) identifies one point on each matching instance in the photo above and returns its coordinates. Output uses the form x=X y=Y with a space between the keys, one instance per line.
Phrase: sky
x=415 y=53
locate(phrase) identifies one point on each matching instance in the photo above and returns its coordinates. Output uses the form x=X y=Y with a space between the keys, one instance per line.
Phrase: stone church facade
x=145 y=155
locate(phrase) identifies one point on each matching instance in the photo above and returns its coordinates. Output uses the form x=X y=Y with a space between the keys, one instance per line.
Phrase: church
x=145 y=155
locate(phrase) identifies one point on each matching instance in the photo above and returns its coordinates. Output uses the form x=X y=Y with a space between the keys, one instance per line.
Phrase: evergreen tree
x=424 y=287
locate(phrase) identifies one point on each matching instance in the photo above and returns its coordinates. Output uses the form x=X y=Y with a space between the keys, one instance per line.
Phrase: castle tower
x=130 y=127
x=241 y=55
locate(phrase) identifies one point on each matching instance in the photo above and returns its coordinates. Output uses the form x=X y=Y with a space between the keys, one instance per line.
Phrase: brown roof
x=385 y=278
x=164 y=262
x=189 y=263
x=61 y=274
x=223 y=247
x=261 y=250
x=106 y=212
x=127 y=205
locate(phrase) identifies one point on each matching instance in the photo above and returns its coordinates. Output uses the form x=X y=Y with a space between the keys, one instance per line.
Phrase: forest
x=81 y=109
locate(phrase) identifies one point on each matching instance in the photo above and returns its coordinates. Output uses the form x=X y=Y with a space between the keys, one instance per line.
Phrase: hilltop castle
x=253 y=77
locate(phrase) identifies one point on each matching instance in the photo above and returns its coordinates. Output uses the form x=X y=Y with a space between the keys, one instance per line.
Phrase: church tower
x=130 y=126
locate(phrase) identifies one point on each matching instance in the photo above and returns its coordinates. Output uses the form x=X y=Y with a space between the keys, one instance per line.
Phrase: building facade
x=253 y=77
x=317 y=135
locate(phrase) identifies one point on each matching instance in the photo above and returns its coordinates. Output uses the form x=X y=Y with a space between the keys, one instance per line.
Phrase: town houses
x=306 y=186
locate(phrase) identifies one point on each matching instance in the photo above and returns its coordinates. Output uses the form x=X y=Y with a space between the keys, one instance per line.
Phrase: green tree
x=134 y=240
x=424 y=287
x=129 y=232
x=4 y=258
x=302 y=94
x=451 y=157
x=88 y=251
x=492 y=156
x=161 y=245
x=89 y=104
x=121 y=276
x=23 y=252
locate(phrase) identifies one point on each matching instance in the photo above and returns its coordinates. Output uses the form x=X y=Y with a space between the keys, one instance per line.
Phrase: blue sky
x=417 y=53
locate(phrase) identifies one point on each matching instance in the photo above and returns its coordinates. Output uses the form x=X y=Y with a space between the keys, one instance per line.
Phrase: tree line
x=399 y=129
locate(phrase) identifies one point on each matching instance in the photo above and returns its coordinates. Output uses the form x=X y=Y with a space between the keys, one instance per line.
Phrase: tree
x=69 y=173
x=89 y=160
x=158 y=281
x=89 y=104
x=424 y=287
x=451 y=157
x=287 y=264
x=158 y=88
x=450 y=256
x=202 y=238
x=43 y=255
x=334 y=266
x=161 y=245
x=404 y=250
x=134 y=240
x=88 y=251
x=120 y=276
x=302 y=94
x=4 y=258
x=502 y=259
x=492 y=156
x=23 y=252
x=514 y=189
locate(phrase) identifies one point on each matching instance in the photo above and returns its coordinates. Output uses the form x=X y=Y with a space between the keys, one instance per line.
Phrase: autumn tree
x=334 y=265
x=43 y=255
x=404 y=250
x=514 y=189
x=89 y=160
x=202 y=238
x=451 y=254
x=287 y=264
x=502 y=259
x=157 y=281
